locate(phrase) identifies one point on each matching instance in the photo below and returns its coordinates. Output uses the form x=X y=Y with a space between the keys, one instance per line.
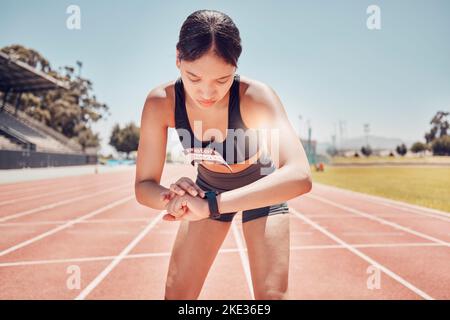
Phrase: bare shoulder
x=160 y=103
x=259 y=103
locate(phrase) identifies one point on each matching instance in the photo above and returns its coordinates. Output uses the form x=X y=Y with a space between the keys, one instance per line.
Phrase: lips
x=207 y=102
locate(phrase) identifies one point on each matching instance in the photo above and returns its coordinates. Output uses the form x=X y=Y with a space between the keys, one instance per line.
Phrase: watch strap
x=211 y=197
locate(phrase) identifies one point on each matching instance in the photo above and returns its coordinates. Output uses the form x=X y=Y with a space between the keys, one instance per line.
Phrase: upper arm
x=151 y=153
x=284 y=146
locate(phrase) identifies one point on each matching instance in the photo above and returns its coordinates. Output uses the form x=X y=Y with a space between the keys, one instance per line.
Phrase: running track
x=91 y=226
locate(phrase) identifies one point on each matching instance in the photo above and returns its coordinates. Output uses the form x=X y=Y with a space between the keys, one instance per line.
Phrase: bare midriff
x=235 y=167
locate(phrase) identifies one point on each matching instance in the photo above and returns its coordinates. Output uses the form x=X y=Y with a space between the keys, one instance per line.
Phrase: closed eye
x=195 y=81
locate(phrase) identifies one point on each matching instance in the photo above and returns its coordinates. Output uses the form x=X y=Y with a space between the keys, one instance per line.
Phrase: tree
x=87 y=139
x=439 y=124
x=441 y=146
x=418 y=147
x=126 y=139
x=401 y=149
x=367 y=150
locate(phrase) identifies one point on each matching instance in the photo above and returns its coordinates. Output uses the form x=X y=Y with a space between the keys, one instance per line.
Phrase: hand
x=186 y=207
x=180 y=187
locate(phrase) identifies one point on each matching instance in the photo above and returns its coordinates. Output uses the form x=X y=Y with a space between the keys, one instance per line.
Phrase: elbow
x=136 y=193
x=305 y=183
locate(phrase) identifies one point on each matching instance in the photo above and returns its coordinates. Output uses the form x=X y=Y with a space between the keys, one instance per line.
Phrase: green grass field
x=397 y=159
x=424 y=186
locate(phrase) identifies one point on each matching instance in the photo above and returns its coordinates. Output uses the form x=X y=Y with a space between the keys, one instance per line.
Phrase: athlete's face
x=207 y=79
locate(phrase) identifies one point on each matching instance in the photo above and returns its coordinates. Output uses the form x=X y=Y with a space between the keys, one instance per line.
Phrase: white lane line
x=55 y=181
x=346 y=216
x=94 y=283
x=99 y=221
x=244 y=258
x=383 y=221
x=59 y=203
x=364 y=256
x=428 y=212
x=20 y=189
x=64 y=226
x=372 y=234
x=367 y=245
x=101 y=258
x=166 y=254
x=52 y=193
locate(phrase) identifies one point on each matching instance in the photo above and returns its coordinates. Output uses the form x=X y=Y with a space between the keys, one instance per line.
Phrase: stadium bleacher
x=25 y=141
x=43 y=141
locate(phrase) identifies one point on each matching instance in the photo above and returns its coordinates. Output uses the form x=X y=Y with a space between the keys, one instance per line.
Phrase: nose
x=208 y=93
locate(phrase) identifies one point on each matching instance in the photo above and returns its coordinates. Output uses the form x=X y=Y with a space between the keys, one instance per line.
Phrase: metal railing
x=17 y=137
x=27 y=120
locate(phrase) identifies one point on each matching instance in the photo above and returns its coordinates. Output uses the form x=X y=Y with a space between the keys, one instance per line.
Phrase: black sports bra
x=235 y=148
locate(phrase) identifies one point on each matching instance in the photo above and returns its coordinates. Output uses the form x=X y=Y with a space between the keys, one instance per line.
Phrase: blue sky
x=319 y=56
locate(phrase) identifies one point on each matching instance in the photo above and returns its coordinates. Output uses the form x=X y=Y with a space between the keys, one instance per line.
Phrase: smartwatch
x=211 y=196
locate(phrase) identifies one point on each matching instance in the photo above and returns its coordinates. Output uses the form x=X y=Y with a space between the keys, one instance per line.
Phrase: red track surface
x=122 y=249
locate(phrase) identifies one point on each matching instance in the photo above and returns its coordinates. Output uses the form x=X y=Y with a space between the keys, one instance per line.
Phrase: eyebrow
x=216 y=79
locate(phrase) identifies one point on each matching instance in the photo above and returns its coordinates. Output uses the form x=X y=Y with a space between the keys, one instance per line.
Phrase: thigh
x=194 y=250
x=268 y=244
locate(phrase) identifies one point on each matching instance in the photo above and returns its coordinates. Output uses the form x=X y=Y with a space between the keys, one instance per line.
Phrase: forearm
x=148 y=194
x=283 y=184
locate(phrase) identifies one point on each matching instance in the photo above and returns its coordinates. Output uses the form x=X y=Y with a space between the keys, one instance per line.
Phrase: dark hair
x=206 y=29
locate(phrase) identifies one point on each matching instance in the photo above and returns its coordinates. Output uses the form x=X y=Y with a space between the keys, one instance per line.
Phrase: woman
x=205 y=104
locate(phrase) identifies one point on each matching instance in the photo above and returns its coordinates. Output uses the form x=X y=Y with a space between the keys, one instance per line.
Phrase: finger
x=169 y=217
x=175 y=188
x=164 y=195
x=176 y=217
x=179 y=206
x=188 y=186
x=184 y=216
x=171 y=207
x=172 y=195
x=193 y=185
x=174 y=207
x=200 y=191
x=194 y=189
x=167 y=195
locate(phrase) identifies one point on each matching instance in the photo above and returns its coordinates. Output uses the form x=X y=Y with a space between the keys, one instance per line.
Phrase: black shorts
x=221 y=182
